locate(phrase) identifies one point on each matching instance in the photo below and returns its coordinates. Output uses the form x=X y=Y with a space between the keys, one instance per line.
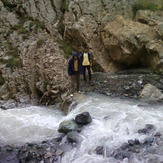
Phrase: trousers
x=76 y=80
x=89 y=72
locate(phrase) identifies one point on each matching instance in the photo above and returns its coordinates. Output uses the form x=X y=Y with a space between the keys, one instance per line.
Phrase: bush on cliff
x=147 y=5
x=1 y=79
x=14 y=62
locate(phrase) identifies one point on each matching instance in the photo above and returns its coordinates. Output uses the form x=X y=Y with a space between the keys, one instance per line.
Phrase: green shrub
x=66 y=48
x=147 y=5
x=40 y=42
x=36 y=24
x=61 y=28
x=46 y=83
x=1 y=79
x=64 y=6
x=19 y=28
x=22 y=30
x=13 y=51
x=14 y=62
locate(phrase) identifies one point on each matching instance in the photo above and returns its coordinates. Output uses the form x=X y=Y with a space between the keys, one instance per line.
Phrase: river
x=115 y=121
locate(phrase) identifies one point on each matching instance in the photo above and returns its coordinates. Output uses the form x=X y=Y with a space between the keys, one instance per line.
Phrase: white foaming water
x=115 y=121
x=30 y=124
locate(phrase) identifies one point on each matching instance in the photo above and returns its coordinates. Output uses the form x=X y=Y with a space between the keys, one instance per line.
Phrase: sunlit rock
x=151 y=92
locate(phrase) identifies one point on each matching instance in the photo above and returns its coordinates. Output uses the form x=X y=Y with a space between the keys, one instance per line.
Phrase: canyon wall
x=38 y=36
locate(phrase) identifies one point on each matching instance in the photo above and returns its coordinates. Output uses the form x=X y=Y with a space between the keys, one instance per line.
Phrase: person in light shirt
x=86 y=59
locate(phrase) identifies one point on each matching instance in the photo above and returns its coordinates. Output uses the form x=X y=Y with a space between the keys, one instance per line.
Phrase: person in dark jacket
x=86 y=60
x=75 y=69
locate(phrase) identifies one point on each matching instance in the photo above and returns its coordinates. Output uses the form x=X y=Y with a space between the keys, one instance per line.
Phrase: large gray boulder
x=151 y=92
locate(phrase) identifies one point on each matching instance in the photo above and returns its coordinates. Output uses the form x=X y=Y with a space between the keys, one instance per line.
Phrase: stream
x=115 y=121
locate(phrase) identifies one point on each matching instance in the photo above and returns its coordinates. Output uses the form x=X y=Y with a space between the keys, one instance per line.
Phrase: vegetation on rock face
x=14 y=62
x=67 y=49
x=40 y=42
x=61 y=26
x=64 y=5
x=35 y=25
x=1 y=79
x=12 y=51
x=20 y=29
x=148 y=5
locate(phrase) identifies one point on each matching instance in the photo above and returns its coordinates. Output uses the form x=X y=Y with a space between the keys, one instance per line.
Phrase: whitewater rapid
x=115 y=121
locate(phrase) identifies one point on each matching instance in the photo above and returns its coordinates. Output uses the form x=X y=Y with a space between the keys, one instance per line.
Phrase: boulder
x=10 y=104
x=83 y=118
x=67 y=126
x=149 y=128
x=74 y=137
x=131 y=142
x=151 y=92
x=127 y=42
x=149 y=17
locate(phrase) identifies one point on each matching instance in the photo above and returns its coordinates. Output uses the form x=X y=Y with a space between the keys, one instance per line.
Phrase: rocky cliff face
x=116 y=38
x=36 y=35
x=32 y=64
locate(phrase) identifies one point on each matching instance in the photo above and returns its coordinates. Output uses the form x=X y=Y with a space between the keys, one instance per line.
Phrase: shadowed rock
x=100 y=150
x=83 y=118
x=74 y=137
x=149 y=128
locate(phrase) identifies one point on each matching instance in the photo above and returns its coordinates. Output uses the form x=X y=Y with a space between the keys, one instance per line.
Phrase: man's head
x=75 y=55
x=85 y=49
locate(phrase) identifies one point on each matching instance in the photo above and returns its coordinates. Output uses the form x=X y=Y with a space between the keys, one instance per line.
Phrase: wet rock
x=137 y=142
x=83 y=118
x=47 y=155
x=67 y=126
x=74 y=137
x=126 y=87
x=9 y=105
x=158 y=134
x=100 y=150
x=59 y=152
x=66 y=147
x=142 y=131
x=131 y=142
x=125 y=146
x=149 y=140
x=149 y=128
x=8 y=157
x=122 y=155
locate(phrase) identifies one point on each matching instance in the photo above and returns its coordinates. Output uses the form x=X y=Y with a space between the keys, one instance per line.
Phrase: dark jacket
x=81 y=56
x=71 y=65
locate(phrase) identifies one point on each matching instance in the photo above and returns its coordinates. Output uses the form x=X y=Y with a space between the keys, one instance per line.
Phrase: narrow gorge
x=124 y=99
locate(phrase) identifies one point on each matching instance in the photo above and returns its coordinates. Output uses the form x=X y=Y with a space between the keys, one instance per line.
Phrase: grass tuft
x=147 y=5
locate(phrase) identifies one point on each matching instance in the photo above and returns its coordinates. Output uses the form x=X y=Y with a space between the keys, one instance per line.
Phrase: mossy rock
x=68 y=126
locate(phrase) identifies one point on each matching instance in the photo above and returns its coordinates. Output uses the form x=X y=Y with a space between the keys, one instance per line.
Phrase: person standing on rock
x=75 y=69
x=86 y=59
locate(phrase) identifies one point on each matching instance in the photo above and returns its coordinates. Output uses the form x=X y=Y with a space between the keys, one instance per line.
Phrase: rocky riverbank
x=127 y=83
x=52 y=151
x=48 y=151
